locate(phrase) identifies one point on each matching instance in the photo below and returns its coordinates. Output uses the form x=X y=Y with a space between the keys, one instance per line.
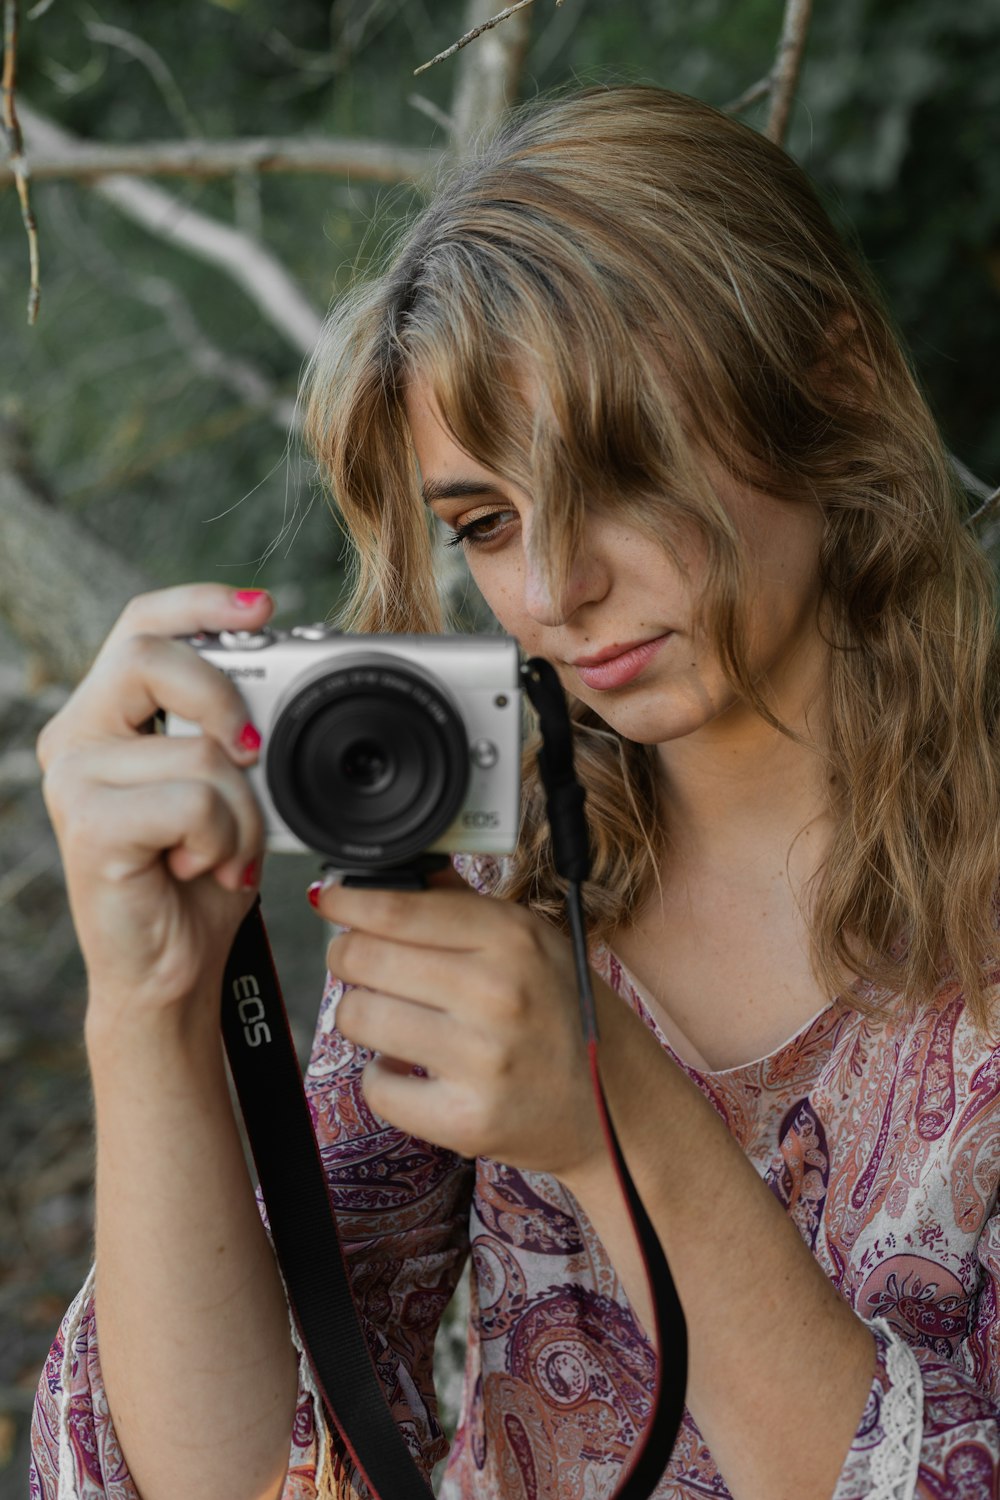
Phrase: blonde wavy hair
x=598 y=241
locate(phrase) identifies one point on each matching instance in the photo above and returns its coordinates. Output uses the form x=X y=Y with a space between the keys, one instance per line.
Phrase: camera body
x=378 y=749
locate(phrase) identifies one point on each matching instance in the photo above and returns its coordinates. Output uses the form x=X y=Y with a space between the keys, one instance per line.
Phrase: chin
x=653 y=724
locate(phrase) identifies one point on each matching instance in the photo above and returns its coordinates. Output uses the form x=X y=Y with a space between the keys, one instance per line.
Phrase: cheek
x=502 y=586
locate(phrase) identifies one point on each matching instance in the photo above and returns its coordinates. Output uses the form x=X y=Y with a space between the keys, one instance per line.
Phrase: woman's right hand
x=161 y=837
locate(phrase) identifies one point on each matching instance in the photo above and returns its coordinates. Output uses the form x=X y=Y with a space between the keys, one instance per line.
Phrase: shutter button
x=318 y=632
x=246 y=640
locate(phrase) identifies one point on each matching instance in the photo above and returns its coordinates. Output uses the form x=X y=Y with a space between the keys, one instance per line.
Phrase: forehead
x=446 y=468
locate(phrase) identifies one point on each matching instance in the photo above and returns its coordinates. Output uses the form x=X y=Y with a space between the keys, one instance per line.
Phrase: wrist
x=116 y=1027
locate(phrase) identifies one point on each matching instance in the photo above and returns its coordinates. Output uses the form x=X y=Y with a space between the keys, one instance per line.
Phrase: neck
x=738 y=791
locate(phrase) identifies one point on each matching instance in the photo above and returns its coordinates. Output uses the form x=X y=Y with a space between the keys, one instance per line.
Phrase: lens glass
x=366 y=765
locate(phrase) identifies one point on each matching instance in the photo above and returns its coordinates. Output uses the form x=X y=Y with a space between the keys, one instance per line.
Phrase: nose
x=586 y=583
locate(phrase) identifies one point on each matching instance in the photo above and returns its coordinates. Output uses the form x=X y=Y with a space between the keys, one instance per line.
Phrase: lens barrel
x=368 y=763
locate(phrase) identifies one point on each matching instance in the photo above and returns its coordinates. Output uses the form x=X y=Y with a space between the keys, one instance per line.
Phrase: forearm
x=763 y=1319
x=196 y=1354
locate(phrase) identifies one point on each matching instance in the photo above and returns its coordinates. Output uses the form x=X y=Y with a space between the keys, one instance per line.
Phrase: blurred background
x=147 y=419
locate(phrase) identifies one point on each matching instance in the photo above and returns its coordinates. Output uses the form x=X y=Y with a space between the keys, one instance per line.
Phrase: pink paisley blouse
x=882 y=1141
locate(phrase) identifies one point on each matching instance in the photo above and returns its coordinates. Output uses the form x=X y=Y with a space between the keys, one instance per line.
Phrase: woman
x=632 y=369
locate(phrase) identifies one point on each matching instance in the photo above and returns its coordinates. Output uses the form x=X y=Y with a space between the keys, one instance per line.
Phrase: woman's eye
x=480 y=530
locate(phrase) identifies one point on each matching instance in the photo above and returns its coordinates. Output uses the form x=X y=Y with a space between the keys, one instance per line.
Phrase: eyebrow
x=454 y=489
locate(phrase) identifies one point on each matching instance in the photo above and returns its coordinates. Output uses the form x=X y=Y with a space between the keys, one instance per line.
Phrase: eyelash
x=468 y=536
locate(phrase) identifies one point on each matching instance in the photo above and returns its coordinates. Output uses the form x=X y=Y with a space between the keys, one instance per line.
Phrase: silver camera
x=378 y=748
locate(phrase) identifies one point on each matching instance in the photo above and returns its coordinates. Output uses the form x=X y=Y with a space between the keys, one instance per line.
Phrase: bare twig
x=237 y=375
x=244 y=260
x=150 y=59
x=15 y=151
x=787 y=63
x=470 y=36
x=749 y=96
x=432 y=111
x=983 y=508
x=972 y=483
x=780 y=82
x=487 y=76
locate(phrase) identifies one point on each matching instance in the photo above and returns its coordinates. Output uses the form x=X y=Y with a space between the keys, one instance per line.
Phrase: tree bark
x=61 y=587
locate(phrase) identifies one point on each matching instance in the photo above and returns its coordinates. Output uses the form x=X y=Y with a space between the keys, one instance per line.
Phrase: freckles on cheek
x=502 y=598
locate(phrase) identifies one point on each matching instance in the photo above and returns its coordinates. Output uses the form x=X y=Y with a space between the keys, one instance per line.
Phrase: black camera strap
x=279 y=1127
x=296 y=1193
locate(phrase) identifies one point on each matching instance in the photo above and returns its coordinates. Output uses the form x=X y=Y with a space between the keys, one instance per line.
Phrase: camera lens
x=368 y=762
x=367 y=765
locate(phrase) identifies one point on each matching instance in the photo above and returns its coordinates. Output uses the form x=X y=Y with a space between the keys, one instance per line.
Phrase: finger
x=190 y=608
x=462 y=920
x=145 y=673
x=431 y=1109
x=147 y=759
x=151 y=761
x=124 y=830
x=430 y=977
x=167 y=613
x=386 y=1023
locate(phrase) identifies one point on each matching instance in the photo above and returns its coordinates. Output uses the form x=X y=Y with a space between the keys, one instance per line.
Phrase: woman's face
x=622 y=637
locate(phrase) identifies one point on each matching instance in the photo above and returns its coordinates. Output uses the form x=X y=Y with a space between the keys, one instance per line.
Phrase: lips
x=618 y=664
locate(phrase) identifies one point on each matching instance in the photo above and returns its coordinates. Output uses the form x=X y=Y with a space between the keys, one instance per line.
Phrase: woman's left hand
x=481 y=994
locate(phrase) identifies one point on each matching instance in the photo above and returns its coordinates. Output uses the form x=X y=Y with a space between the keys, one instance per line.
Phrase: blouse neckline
x=647 y=1010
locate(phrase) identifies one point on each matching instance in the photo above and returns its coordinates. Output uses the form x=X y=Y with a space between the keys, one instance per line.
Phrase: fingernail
x=247 y=598
x=251 y=874
x=314 y=892
x=248 y=737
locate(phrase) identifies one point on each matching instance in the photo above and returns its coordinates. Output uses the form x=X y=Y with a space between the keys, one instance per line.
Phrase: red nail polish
x=248 y=738
x=314 y=893
x=251 y=874
x=247 y=598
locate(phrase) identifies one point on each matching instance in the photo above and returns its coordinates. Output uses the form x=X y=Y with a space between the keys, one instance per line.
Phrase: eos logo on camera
x=250 y=1007
x=480 y=819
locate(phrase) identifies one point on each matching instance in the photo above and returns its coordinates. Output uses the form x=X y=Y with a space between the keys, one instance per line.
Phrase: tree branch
x=247 y=262
x=787 y=64
x=487 y=78
x=150 y=59
x=986 y=504
x=780 y=82
x=18 y=166
x=238 y=375
x=749 y=96
x=82 y=160
x=474 y=32
x=432 y=111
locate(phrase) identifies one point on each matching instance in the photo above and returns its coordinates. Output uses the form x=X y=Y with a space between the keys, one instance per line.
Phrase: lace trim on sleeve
x=894 y=1463
x=68 y=1489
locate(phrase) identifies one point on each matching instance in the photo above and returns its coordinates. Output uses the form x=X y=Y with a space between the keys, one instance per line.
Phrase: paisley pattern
x=882 y=1142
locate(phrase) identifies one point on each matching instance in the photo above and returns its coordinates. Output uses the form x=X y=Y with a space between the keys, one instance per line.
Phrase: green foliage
x=896 y=119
